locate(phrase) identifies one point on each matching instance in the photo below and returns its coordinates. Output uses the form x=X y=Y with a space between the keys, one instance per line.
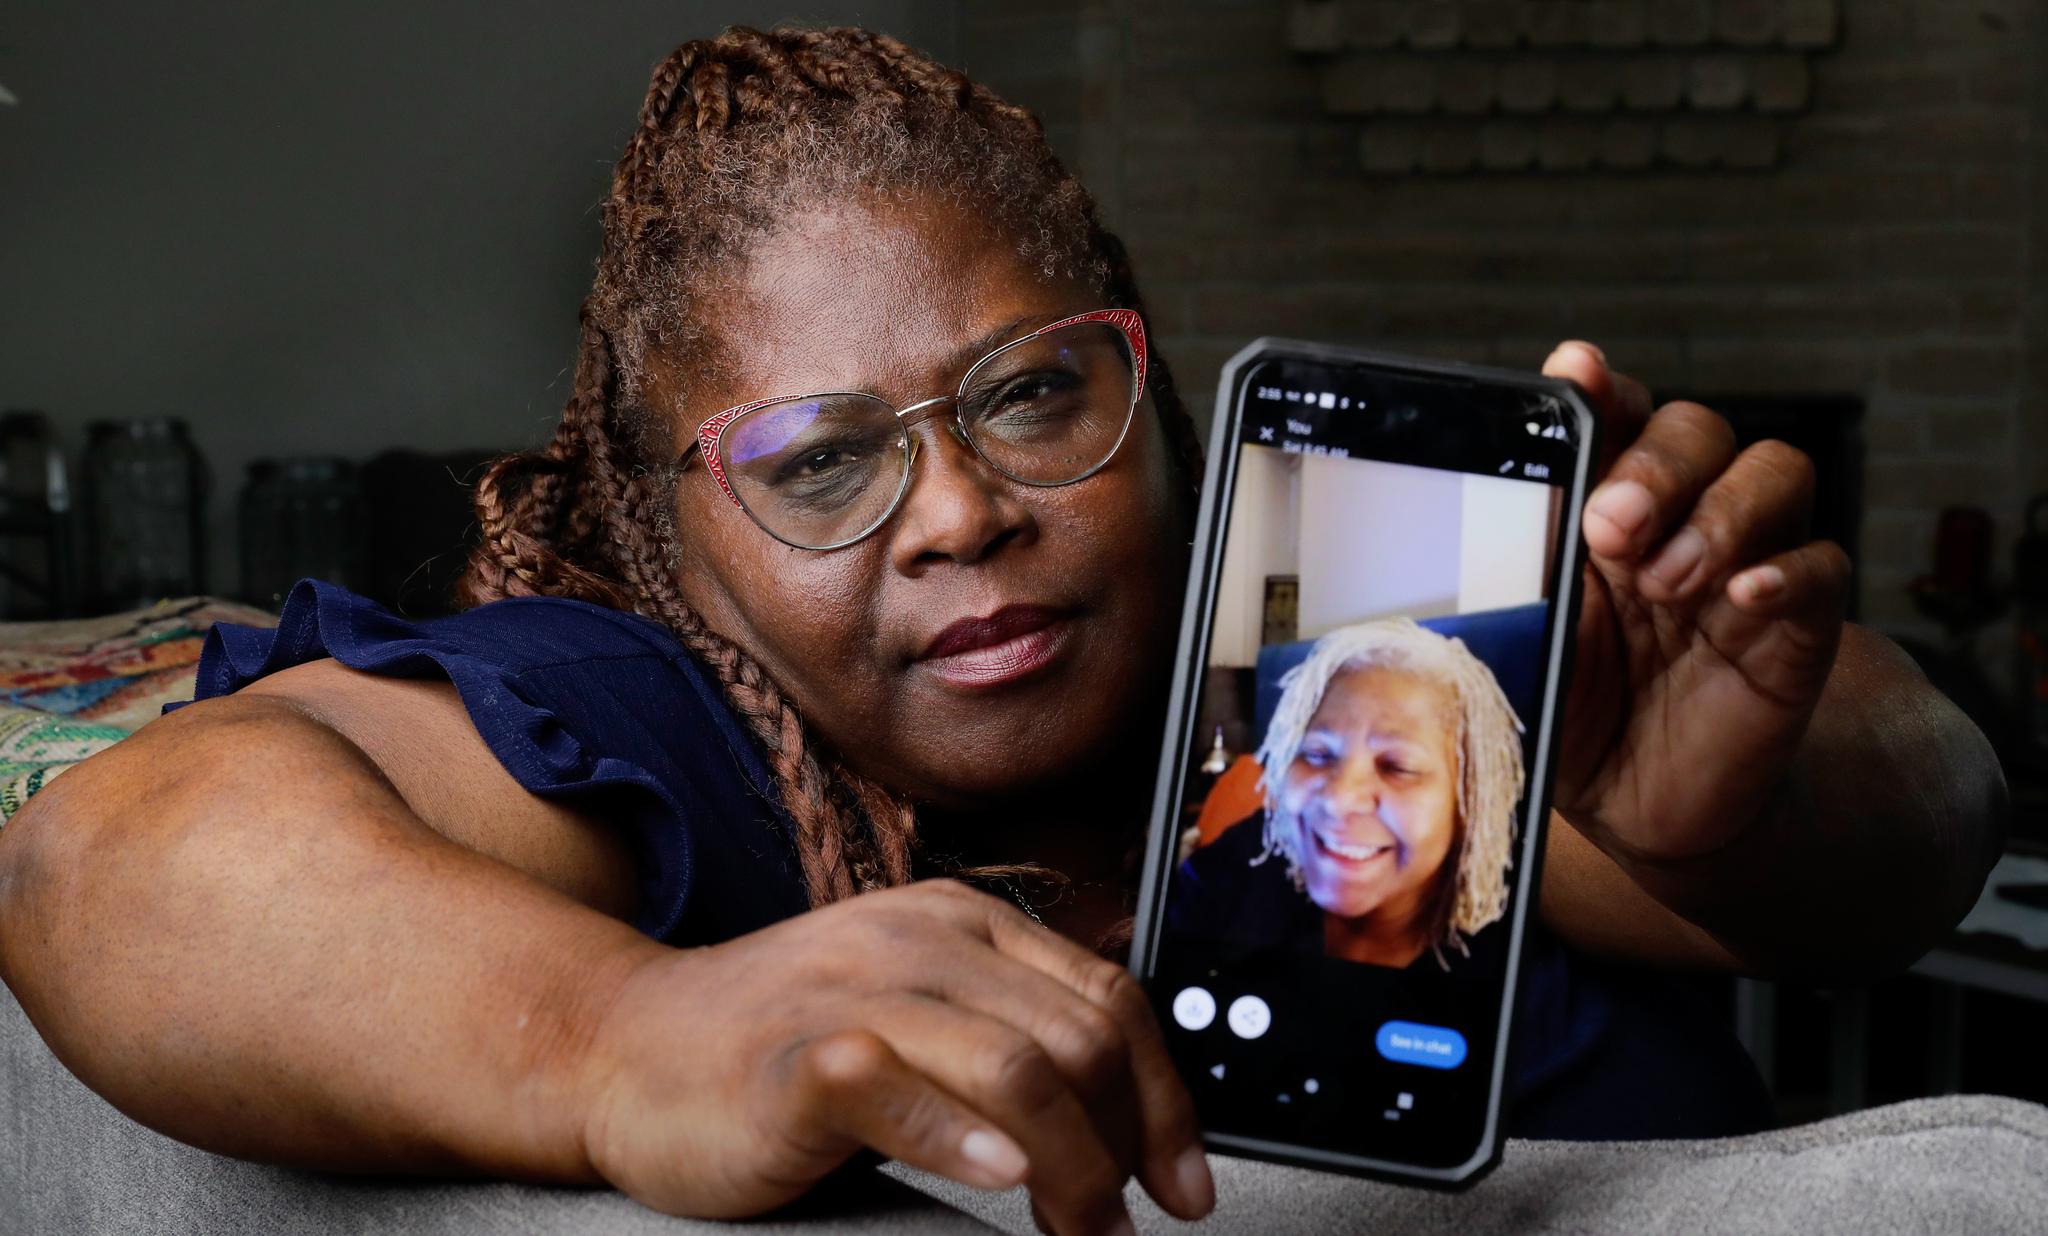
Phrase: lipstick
x=1013 y=642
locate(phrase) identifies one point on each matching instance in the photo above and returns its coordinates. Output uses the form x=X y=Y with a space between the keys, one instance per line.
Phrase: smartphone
x=1350 y=813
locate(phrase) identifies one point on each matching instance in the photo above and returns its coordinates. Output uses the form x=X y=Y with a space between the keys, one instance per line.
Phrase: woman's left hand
x=1709 y=626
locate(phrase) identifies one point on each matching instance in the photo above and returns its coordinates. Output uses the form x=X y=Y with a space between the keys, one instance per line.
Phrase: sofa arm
x=71 y=1165
x=1960 y=1164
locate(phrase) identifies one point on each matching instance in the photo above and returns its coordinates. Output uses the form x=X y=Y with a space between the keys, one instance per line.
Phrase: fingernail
x=1122 y=1227
x=1682 y=553
x=1761 y=584
x=1594 y=349
x=1197 y=1186
x=999 y=1160
x=1625 y=504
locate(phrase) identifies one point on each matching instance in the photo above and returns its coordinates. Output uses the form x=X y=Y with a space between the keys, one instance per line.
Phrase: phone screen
x=1352 y=801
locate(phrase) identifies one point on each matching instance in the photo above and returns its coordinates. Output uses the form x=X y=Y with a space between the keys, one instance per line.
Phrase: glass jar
x=301 y=518
x=145 y=506
x=29 y=581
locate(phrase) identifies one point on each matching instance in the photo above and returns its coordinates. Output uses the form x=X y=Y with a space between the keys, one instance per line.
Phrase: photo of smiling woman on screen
x=1391 y=773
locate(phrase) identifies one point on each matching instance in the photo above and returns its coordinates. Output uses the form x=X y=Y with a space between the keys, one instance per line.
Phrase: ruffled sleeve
x=582 y=704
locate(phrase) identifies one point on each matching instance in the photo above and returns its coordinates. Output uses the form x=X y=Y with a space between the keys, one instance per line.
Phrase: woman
x=1393 y=774
x=369 y=910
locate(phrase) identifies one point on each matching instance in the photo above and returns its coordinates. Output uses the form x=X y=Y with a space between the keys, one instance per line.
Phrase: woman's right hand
x=932 y=1023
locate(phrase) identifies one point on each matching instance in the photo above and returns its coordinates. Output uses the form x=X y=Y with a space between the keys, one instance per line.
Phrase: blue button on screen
x=1433 y=1047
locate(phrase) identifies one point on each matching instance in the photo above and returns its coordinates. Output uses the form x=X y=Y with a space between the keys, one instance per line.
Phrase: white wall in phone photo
x=1369 y=540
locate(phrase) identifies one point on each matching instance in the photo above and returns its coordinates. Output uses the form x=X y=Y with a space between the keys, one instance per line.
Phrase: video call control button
x=1249 y=1017
x=1408 y=1042
x=1194 y=1008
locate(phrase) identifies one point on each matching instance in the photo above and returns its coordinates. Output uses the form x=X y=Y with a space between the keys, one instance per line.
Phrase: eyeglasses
x=822 y=471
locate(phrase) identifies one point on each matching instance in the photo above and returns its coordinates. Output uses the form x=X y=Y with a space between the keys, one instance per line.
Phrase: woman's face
x=1373 y=791
x=990 y=636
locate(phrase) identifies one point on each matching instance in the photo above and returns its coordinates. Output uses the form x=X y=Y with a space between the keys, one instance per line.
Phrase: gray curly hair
x=1489 y=745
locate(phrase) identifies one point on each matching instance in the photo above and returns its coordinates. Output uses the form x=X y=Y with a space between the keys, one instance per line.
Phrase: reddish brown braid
x=733 y=128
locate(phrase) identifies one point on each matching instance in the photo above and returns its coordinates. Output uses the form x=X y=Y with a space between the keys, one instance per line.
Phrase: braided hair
x=736 y=131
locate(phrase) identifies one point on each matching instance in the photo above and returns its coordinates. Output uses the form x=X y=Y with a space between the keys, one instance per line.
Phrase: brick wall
x=1884 y=250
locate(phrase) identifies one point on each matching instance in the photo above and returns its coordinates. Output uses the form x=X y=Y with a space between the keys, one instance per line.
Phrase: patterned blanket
x=69 y=689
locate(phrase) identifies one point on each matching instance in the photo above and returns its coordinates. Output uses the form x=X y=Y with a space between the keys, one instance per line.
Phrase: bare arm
x=314 y=923
x=234 y=927
x=1876 y=843
x=1787 y=784
x=1594 y=905
x=418 y=736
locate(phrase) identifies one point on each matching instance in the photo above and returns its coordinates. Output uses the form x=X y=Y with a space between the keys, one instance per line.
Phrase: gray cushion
x=71 y=1165
x=1966 y=1164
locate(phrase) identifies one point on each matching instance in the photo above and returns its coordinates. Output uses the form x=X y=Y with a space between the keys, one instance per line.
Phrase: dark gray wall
x=322 y=230
x=1886 y=256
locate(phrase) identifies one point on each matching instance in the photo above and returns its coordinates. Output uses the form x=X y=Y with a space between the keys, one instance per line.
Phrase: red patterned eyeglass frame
x=1126 y=320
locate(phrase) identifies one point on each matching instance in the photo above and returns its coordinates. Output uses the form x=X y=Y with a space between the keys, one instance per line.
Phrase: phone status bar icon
x=1310 y=399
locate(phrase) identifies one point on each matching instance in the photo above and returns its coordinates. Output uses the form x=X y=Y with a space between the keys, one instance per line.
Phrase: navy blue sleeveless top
x=599 y=709
x=606 y=711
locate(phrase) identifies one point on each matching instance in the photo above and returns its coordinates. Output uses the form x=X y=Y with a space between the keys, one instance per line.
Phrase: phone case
x=1197 y=618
